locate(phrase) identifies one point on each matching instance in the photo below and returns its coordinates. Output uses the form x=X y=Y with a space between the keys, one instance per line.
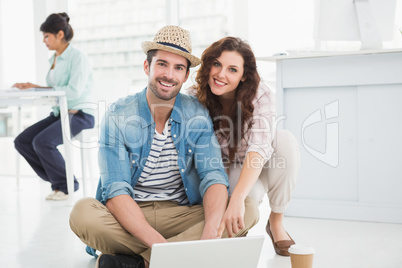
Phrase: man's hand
x=130 y=216
x=233 y=219
x=215 y=202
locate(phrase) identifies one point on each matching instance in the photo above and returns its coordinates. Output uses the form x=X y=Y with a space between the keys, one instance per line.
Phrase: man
x=162 y=177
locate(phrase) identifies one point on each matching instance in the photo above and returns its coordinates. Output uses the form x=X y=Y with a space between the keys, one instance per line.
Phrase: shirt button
x=182 y=170
x=133 y=162
x=186 y=189
x=174 y=135
x=171 y=119
x=189 y=150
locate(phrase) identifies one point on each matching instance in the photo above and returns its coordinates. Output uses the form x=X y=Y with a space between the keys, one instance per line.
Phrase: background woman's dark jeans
x=38 y=145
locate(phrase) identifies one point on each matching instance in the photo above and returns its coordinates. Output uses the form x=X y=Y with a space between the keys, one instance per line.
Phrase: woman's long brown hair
x=245 y=92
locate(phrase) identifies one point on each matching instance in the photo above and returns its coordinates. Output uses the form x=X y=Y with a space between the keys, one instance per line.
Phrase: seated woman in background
x=243 y=111
x=70 y=72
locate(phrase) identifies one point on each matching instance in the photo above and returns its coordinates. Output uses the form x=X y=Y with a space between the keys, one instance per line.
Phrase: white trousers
x=278 y=177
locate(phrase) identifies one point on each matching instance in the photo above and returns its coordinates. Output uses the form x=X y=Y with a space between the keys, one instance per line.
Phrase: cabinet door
x=380 y=143
x=325 y=123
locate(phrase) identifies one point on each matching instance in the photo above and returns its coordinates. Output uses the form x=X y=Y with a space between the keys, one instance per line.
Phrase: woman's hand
x=24 y=85
x=233 y=219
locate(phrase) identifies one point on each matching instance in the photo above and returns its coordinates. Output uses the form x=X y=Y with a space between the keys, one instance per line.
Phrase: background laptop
x=215 y=253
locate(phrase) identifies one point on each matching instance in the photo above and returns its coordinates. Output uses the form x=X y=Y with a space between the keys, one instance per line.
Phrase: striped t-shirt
x=161 y=180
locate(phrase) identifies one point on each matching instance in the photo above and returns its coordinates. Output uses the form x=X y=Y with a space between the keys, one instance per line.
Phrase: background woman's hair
x=245 y=92
x=58 y=22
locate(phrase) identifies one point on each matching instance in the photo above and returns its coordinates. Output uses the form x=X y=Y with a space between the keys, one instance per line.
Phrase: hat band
x=173 y=45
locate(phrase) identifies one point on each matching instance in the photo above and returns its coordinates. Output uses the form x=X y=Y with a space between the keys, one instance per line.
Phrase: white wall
x=276 y=26
x=42 y=9
x=17 y=52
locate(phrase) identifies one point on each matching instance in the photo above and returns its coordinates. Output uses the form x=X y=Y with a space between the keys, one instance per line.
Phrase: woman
x=242 y=110
x=69 y=72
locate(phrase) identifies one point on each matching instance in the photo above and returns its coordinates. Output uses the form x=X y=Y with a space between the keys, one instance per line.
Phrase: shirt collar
x=176 y=114
x=63 y=55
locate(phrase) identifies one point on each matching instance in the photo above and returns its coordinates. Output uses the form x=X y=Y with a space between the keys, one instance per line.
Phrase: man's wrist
x=209 y=233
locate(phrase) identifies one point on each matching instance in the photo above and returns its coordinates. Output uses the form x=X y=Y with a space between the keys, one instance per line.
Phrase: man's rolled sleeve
x=114 y=161
x=115 y=189
x=215 y=177
x=210 y=170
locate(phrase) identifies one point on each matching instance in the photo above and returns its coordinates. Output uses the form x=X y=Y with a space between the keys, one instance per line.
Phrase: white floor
x=35 y=233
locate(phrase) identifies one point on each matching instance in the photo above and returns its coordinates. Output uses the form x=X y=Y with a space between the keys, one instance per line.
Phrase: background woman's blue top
x=72 y=74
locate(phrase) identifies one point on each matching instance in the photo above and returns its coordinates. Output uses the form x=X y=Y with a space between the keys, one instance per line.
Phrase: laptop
x=215 y=253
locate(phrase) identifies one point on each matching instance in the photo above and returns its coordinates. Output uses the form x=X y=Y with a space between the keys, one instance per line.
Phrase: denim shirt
x=73 y=75
x=125 y=142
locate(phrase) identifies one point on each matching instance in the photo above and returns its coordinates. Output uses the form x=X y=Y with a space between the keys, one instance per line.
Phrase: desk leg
x=65 y=127
x=17 y=159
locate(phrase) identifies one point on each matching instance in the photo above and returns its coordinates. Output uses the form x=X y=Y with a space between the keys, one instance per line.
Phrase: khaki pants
x=278 y=177
x=92 y=222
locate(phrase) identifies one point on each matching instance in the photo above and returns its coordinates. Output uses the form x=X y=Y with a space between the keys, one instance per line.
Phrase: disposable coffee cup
x=301 y=256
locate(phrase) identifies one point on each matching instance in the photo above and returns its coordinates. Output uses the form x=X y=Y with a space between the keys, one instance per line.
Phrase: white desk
x=51 y=98
x=345 y=110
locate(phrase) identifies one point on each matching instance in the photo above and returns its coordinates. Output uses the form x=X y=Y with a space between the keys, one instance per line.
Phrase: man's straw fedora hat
x=172 y=39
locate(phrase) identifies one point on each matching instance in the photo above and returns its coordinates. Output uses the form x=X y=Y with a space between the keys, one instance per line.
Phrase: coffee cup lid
x=301 y=249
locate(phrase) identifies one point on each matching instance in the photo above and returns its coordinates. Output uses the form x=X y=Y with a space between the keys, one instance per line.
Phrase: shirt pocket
x=189 y=149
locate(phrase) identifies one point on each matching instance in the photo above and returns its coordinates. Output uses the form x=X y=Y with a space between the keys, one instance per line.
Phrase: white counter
x=345 y=108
